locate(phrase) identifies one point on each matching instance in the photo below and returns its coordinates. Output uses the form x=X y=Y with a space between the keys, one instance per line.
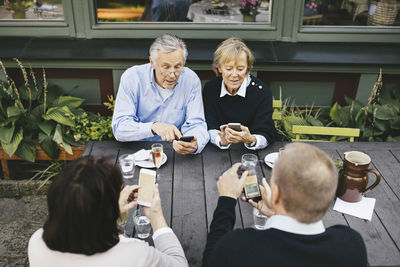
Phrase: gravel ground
x=19 y=219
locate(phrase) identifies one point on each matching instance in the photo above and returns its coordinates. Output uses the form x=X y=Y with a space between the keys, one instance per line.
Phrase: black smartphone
x=186 y=138
x=234 y=126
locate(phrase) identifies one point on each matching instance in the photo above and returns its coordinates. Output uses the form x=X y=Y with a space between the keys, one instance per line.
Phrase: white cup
x=127 y=165
x=259 y=219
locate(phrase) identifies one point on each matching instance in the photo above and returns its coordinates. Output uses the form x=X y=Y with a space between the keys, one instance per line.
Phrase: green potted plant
x=34 y=120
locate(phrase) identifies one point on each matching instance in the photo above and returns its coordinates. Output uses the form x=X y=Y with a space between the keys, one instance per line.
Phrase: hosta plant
x=33 y=114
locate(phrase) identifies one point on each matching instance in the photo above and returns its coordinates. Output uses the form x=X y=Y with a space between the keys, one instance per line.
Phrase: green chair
x=277 y=114
x=317 y=130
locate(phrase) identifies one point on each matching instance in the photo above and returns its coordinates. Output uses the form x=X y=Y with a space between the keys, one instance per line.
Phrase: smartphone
x=186 y=138
x=251 y=189
x=147 y=179
x=234 y=126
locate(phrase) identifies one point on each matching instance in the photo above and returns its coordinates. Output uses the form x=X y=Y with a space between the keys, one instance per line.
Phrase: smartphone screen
x=251 y=189
x=147 y=178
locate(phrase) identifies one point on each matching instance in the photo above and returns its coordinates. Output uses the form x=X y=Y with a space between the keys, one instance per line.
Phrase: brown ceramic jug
x=353 y=178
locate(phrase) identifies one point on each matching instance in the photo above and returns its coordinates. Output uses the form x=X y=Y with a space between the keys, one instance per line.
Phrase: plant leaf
x=46 y=126
x=26 y=150
x=385 y=112
x=381 y=125
x=13 y=111
x=393 y=139
x=69 y=101
x=60 y=115
x=289 y=121
x=6 y=133
x=49 y=146
x=395 y=124
x=58 y=138
x=313 y=121
x=11 y=147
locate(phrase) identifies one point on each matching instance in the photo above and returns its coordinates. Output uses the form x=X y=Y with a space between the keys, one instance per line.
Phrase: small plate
x=149 y=163
x=271 y=158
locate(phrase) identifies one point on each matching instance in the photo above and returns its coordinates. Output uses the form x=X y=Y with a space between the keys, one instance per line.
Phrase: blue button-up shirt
x=139 y=104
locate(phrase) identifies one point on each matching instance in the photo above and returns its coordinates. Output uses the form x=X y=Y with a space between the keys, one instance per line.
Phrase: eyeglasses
x=168 y=73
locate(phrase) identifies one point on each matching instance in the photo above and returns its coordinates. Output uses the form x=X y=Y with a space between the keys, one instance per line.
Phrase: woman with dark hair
x=84 y=202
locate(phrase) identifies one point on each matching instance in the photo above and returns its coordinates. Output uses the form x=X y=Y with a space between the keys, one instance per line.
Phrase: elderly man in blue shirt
x=161 y=100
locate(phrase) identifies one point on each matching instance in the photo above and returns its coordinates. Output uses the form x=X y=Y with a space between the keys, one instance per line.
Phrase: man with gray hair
x=161 y=100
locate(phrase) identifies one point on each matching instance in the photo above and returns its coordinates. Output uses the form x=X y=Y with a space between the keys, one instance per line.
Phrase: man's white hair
x=167 y=43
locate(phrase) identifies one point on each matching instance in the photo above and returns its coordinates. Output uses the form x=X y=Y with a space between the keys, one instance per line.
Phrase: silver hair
x=167 y=43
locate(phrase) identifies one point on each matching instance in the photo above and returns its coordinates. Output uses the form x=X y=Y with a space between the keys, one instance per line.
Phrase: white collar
x=290 y=225
x=242 y=90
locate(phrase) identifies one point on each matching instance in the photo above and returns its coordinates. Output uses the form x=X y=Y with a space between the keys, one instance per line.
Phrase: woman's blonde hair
x=230 y=49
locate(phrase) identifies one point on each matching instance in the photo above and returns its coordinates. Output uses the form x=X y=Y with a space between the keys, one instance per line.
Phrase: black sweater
x=338 y=246
x=254 y=111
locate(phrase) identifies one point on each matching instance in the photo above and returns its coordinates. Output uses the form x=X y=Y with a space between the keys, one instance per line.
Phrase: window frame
x=40 y=28
x=183 y=29
x=362 y=34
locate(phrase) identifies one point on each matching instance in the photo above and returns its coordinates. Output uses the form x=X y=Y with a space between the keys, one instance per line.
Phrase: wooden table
x=189 y=193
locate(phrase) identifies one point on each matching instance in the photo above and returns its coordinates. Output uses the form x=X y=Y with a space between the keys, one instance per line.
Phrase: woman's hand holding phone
x=128 y=198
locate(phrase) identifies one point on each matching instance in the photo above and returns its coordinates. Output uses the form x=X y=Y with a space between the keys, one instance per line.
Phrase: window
x=352 y=13
x=17 y=10
x=184 y=11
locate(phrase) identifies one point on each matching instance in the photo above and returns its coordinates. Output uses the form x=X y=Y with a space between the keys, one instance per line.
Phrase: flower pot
x=249 y=18
x=19 y=14
x=40 y=155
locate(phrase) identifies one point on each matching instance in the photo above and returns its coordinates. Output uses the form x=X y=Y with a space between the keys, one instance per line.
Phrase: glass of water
x=127 y=164
x=142 y=224
x=259 y=219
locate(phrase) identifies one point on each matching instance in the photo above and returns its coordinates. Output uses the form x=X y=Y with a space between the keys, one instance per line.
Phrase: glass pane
x=352 y=12
x=31 y=10
x=205 y=11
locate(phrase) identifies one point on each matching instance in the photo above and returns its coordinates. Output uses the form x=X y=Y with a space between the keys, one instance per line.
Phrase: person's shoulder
x=211 y=85
x=37 y=236
x=258 y=87
x=344 y=232
x=189 y=73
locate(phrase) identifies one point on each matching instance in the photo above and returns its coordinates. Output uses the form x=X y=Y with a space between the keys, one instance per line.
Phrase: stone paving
x=20 y=217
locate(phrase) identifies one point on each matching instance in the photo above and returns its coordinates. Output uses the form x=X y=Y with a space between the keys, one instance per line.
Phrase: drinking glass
x=157 y=154
x=127 y=164
x=259 y=219
x=249 y=163
x=142 y=224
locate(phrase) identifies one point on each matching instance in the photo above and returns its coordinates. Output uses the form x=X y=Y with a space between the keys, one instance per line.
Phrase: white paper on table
x=362 y=209
x=141 y=154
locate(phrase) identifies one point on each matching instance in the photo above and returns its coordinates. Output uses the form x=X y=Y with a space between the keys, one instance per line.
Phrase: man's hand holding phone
x=264 y=206
x=185 y=146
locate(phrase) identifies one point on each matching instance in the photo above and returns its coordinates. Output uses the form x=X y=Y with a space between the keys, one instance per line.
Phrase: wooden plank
x=381 y=248
x=188 y=210
x=106 y=149
x=215 y=162
x=246 y=210
x=387 y=206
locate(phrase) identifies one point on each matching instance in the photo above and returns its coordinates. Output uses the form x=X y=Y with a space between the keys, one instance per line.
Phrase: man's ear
x=152 y=63
x=276 y=194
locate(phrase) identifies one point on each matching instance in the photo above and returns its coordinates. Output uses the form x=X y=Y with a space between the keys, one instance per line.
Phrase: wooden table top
x=189 y=193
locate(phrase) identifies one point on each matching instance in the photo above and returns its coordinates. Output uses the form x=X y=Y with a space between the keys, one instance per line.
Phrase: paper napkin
x=141 y=154
x=362 y=209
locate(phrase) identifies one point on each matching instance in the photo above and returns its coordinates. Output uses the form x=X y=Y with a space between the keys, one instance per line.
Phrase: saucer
x=271 y=158
x=147 y=163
